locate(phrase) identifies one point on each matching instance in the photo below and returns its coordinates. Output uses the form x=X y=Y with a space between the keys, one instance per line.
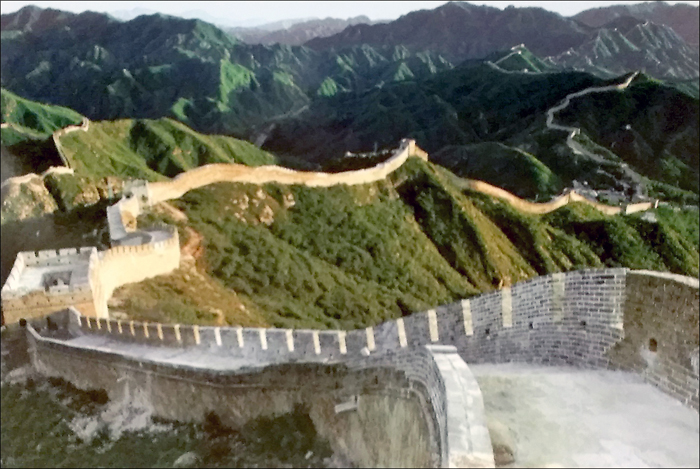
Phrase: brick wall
x=574 y=319
x=661 y=334
x=602 y=318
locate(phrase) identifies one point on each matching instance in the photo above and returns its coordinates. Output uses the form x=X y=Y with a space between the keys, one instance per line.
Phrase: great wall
x=605 y=319
x=408 y=376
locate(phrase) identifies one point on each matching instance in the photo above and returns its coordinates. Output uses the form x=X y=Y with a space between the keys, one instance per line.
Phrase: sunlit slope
x=152 y=149
x=30 y=119
x=345 y=257
x=27 y=126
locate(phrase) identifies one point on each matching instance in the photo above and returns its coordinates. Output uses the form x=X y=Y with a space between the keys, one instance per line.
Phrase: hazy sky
x=264 y=12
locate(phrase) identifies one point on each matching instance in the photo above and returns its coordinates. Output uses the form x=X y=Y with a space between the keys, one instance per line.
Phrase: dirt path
x=193 y=247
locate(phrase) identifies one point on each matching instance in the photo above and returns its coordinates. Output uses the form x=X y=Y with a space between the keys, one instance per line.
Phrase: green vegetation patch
x=34 y=119
x=234 y=77
x=152 y=149
x=507 y=167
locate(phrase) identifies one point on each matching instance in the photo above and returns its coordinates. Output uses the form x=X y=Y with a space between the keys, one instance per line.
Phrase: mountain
x=627 y=43
x=475 y=104
x=24 y=119
x=296 y=33
x=154 y=66
x=34 y=19
x=310 y=106
x=461 y=31
x=27 y=127
x=150 y=149
x=681 y=17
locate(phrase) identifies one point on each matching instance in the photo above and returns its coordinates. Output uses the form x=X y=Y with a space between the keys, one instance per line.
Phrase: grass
x=186 y=296
x=507 y=167
x=34 y=120
x=153 y=149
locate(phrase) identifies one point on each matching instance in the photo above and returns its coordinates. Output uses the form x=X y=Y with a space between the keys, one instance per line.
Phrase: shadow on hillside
x=31 y=156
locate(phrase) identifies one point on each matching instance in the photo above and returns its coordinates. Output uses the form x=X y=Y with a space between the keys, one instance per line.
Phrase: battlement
x=596 y=318
x=45 y=280
x=548 y=305
x=574 y=318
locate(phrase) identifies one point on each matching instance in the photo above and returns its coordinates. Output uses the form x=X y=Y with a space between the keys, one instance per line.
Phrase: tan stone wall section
x=545 y=207
x=129 y=264
x=212 y=173
x=66 y=130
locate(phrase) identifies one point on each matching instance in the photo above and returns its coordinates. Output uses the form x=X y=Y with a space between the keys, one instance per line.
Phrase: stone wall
x=84 y=126
x=355 y=405
x=212 y=173
x=124 y=264
x=661 y=334
x=547 y=207
x=573 y=318
x=81 y=292
x=602 y=318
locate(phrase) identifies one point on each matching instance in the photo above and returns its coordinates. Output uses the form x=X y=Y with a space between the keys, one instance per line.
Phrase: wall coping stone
x=690 y=281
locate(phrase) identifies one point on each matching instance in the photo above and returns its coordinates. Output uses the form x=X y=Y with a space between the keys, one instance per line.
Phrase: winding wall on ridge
x=212 y=173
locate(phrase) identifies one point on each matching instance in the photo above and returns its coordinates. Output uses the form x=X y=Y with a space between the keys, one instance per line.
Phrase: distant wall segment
x=84 y=126
x=212 y=173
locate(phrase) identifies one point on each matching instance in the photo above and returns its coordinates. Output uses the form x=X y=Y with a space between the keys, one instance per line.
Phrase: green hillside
x=346 y=257
x=476 y=119
x=156 y=65
x=152 y=149
x=507 y=167
x=29 y=119
x=27 y=146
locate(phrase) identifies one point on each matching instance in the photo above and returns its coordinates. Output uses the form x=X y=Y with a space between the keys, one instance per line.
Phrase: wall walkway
x=588 y=318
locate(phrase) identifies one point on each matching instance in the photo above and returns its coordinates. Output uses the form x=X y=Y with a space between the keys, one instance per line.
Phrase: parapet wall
x=570 y=318
x=355 y=405
x=573 y=318
x=662 y=333
x=590 y=318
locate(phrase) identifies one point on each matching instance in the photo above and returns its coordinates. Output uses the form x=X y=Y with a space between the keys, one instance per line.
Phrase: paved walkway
x=567 y=417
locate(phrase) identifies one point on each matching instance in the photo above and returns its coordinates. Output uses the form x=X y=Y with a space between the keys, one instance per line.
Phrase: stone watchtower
x=46 y=281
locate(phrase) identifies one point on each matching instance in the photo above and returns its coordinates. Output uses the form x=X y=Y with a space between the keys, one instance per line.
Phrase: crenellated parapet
x=562 y=314
x=44 y=281
x=576 y=318
x=644 y=322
